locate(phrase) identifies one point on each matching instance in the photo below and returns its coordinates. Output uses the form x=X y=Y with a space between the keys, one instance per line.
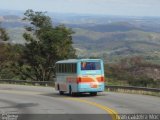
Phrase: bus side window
x=66 y=68
x=63 y=68
x=71 y=68
x=74 y=68
x=60 y=68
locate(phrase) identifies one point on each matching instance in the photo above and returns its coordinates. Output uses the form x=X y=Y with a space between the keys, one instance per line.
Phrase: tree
x=4 y=53
x=45 y=45
x=3 y=58
x=9 y=54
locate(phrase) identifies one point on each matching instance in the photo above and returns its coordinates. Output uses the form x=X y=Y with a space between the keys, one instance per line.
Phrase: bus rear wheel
x=61 y=92
x=93 y=93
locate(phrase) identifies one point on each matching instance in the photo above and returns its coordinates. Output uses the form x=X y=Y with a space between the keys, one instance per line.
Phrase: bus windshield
x=90 y=66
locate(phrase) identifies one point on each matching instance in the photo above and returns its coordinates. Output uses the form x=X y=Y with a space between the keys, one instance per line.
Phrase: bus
x=80 y=76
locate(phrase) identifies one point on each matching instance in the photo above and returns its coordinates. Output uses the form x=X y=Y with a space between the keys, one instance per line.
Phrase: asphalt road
x=44 y=103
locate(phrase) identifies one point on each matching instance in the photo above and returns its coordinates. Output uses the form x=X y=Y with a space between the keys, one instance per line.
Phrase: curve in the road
x=26 y=91
x=111 y=112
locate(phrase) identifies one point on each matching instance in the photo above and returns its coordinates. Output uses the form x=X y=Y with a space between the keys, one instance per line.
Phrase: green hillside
x=117 y=44
x=113 y=45
x=113 y=40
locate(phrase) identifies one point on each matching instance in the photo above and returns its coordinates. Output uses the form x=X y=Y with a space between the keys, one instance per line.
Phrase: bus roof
x=76 y=60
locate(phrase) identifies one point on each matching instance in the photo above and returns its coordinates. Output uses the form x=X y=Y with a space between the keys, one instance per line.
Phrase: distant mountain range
x=110 y=37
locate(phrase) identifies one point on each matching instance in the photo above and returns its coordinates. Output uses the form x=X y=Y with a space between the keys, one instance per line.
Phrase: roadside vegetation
x=134 y=71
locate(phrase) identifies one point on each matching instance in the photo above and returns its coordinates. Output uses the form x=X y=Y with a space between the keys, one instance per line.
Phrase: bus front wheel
x=93 y=93
x=70 y=91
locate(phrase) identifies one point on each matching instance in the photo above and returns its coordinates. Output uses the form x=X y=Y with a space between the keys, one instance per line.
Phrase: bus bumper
x=89 y=88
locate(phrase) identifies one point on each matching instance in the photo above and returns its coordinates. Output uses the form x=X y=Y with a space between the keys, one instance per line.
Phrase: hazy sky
x=108 y=7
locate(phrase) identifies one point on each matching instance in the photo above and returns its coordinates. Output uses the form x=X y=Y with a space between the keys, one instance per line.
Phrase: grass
x=135 y=92
x=122 y=83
